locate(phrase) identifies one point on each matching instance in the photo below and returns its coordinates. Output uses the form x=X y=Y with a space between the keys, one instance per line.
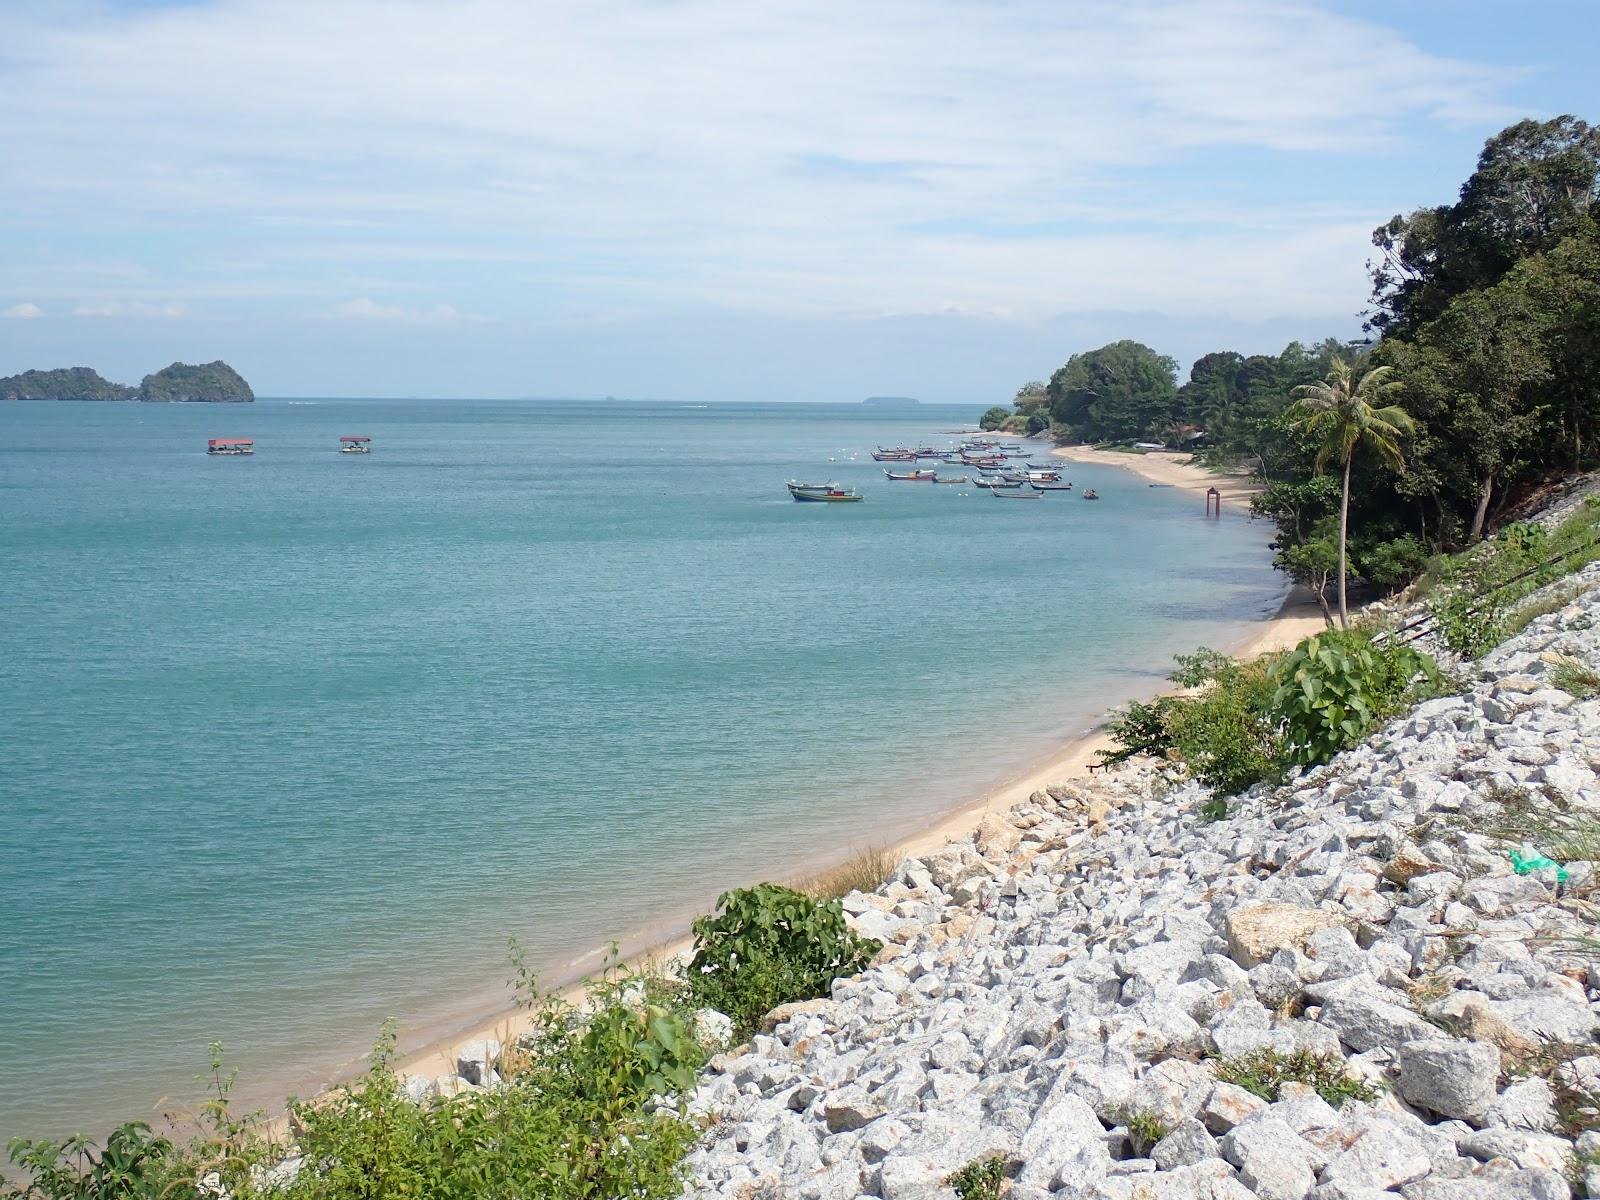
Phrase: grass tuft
x=1264 y=1072
x=980 y=1179
x=864 y=871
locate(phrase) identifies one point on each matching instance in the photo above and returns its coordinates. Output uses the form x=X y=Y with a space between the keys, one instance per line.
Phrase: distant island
x=887 y=401
x=181 y=383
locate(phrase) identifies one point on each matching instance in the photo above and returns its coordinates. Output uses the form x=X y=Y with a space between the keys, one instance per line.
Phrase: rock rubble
x=1070 y=981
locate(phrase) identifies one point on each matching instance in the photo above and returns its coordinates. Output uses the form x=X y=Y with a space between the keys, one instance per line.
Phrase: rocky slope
x=188 y=383
x=1071 y=981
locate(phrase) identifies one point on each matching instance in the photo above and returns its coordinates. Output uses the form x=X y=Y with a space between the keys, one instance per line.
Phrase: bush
x=980 y=1179
x=768 y=945
x=1334 y=687
x=1263 y=1072
x=993 y=418
x=1222 y=732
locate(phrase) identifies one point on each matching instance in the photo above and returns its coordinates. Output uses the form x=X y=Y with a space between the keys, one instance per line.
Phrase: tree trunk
x=1476 y=531
x=1344 y=528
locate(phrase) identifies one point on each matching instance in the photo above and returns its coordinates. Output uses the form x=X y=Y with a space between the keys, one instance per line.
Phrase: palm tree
x=1341 y=416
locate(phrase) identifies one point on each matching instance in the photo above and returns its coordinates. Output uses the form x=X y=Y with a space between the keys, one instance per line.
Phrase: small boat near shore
x=923 y=476
x=1049 y=486
x=355 y=445
x=231 y=446
x=996 y=484
x=1091 y=494
x=958 y=479
x=823 y=493
x=1015 y=493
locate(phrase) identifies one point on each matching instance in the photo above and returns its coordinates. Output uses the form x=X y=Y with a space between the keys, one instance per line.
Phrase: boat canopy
x=231 y=442
x=355 y=439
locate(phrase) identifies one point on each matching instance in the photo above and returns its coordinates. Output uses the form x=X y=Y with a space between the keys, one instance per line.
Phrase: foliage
x=993 y=418
x=65 y=383
x=1222 y=731
x=1121 y=391
x=1263 y=1072
x=980 y=1179
x=1334 y=687
x=1477 y=593
x=1572 y=677
x=134 y=1163
x=214 y=382
x=768 y=945
x=1145 y=1128
x=1391 y=564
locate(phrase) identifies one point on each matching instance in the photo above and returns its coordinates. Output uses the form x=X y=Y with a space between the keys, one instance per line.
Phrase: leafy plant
x=133 y=1164
x=980 y=1179
x=1334 y=687
x=1264 y=1072
x=767 y=945
x=1145 y=1128
x=1222 y=732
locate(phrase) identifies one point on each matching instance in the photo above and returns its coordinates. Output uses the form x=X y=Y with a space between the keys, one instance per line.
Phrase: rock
x=1365 y=1022
x=1535 y=1151
x=1273 y=1161
x=849 y=1109
x=1382 y=1157
x=1451 y=1077
x=1526 y=1104
x=1229 y=1105
x=712 y=1029
x=475 y=1061
x=1257 y=932
x=1187 y=1143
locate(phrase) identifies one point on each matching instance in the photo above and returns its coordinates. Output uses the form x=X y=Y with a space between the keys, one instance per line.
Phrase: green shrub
x=1145 y=1128
x=1264 y=1072
x=980 y=1179
x=768 y=945
x=1222 y=732
x=1333 y=688
x=134 y=1164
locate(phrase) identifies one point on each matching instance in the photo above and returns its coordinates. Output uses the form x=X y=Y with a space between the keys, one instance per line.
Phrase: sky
x=727 y=200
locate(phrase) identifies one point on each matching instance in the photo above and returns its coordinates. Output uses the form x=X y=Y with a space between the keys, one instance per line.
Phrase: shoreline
x=1296 y=618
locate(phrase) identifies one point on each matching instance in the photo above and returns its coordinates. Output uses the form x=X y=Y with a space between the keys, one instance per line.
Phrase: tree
x=1534 y=183
x=1341 y=417
x=993 y=418
x=1122 y=390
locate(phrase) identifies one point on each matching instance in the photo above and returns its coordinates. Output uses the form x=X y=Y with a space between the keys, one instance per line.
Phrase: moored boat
x=1015 y=493
x=827 y=493
x=958 y=479
x=1091 y=494
x=1049 y=486
x=231 y=446
x=923 y=476
x=355 y=445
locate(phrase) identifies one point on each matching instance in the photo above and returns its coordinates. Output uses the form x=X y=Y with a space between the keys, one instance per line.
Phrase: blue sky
x=726 y=200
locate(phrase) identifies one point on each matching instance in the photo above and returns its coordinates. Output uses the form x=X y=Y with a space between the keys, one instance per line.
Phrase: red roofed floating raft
x=355 y=445
x=231 y=446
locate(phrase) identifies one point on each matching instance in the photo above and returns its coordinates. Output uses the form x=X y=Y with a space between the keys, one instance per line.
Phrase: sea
x=293 y=743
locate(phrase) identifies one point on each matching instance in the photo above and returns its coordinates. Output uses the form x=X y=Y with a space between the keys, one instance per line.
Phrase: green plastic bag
x=1526 y=866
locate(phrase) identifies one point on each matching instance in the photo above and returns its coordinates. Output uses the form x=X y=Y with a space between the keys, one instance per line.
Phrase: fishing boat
x=1044 y=476
x=355 y=445
x=997 y=485
x=1091 y=494
x=912 y=476
x=231 y=446
x=942 y=479
x=827 y=493
x=882 y=455
x=1015 y=493
x=1041 y=486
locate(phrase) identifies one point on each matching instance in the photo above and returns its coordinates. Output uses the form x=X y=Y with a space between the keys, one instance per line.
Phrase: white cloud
x=146 y=309
x=792 y=156
x=26 y=311
x=366 y=309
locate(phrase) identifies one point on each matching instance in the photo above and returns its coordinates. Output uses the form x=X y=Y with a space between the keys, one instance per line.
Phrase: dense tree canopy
x=1487 y=312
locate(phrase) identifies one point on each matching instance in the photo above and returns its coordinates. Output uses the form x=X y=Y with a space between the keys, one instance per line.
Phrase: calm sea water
x=292 y=743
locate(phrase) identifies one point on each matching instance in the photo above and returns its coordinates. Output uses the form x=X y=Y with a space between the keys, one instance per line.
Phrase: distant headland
x=891 y=401
x=181 y=383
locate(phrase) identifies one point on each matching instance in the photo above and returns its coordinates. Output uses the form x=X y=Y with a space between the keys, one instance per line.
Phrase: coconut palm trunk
x=1344 y=529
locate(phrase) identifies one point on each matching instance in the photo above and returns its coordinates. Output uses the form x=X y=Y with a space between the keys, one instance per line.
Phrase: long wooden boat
x=912 y=477
x=998 y=485
x=882 y=455
x=1015 y=494
x=231 y=446
x=828 y=493
x=942 y=479
x=1050 y=487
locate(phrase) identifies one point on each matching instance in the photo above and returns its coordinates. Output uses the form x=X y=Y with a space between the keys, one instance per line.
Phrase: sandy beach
x=1299 y=617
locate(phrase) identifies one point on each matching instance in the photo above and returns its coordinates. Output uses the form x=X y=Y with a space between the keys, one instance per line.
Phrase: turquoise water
x=292 y=743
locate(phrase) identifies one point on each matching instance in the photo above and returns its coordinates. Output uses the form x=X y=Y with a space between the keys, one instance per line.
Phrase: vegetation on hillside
x=212 y=383
x=1486 y=312
x=63 y=383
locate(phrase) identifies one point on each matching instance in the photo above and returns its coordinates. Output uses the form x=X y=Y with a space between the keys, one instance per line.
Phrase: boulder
x=1451 y=1077
x=1256 y=933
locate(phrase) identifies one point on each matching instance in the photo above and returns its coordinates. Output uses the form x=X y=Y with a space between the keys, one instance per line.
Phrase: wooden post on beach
x=1213 y=496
